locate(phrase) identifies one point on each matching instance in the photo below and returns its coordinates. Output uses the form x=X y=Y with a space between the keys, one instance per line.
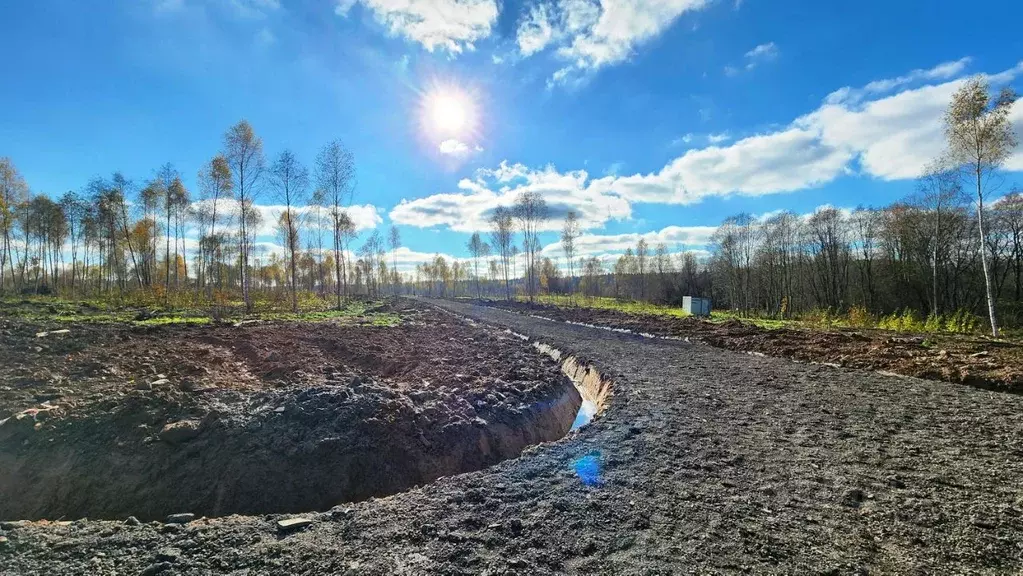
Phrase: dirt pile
x=112 y=421
x=972 y=360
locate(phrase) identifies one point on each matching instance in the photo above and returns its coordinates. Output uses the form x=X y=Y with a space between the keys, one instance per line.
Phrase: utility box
x=696 y=306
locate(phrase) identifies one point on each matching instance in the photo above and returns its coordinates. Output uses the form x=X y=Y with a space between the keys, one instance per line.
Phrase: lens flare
x=448 y=112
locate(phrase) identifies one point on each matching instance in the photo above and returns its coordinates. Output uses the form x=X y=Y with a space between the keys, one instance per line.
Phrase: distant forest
x=953 y=249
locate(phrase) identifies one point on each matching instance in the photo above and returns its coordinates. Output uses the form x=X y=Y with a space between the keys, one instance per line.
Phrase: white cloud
x=452 y=25
x=719 y=138
x=758 y=55
x=590 y=35
x=888 y=137
x=453 y=147
x=762 y=53
x=673 y=237
x=942 y=71
x=365 y=216
x=470 y=209
x=535 y=31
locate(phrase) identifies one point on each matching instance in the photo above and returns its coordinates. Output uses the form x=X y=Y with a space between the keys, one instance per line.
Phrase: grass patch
x=52 y=309
x=605 y=303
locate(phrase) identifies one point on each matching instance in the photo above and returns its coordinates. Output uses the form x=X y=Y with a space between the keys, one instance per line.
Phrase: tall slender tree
x=501 y=239
x=980 y=139
x=290 y=179
x=243 y=151
x=478 y=249
x=569 y=233
x=335 y=175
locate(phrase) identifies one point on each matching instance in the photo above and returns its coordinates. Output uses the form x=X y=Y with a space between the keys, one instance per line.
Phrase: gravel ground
x=706 y=461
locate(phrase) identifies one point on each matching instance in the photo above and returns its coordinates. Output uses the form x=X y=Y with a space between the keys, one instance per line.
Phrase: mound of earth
x=110 y=420
x=977 y=361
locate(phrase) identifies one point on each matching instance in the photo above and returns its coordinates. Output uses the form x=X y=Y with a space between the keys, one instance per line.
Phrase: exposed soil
x=977 y=361
x=108 y=420
x=705 y=461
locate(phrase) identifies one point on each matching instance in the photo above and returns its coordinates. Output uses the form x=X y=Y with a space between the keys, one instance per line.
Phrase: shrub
x=860 y=317
x=962 y=322
x=906 y=321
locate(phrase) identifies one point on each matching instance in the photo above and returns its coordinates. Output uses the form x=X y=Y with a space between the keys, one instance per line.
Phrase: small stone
x=853 y=497
x=160 y=382
x=341 y=513
x=981 y=354
x=896 y=482
x=292 y=524
x=982 y=523
x=158 y=568
x=515 y=525
x=178 y=432
x=3 y=541
x=132 y=521
x=168 y=555
x=183 y=518
x=279 y=409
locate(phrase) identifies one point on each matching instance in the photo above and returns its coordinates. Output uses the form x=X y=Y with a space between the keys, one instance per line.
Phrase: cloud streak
x=450 y=25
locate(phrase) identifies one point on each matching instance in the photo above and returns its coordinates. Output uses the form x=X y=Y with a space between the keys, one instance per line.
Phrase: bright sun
x=448 y=112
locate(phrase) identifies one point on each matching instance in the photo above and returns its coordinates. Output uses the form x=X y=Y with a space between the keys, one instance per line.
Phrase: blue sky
x=653 y=118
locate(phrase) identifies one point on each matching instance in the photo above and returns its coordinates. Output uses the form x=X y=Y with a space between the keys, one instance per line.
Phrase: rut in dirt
x=263 y=418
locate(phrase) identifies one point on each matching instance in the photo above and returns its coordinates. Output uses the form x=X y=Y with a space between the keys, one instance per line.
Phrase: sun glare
x=448 y=113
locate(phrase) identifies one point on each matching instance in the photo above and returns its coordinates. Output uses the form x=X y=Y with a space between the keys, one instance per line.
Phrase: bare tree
x=215 y=184
x=335 y=175
x=13 y=192
x=179 y=199
x=569 y=233
x=501 y=239
x=478 y=249
x=244 y=153
x=980 y=139
x=531 y=211
x=289 y=179
x=938 y=193
x=394 y=241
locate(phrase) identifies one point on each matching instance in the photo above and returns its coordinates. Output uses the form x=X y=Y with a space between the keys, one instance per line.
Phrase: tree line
x=116 y=236
x=953 y=246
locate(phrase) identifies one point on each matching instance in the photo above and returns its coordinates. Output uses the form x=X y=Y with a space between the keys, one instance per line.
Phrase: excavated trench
x=297 y=451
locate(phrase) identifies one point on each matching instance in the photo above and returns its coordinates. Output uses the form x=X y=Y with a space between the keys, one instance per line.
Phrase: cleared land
x=704 y=461
x=973 y=360
x=108 y=420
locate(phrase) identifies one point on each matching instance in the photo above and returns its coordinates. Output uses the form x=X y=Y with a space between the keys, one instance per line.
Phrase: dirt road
x=706 y=461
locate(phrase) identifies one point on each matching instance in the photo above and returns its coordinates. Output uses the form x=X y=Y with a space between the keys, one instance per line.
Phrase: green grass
x=52 y=309
x=635 y=307
x=605 y=303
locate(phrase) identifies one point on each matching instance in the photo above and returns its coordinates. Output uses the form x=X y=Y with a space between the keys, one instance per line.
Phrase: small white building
x=696 y=306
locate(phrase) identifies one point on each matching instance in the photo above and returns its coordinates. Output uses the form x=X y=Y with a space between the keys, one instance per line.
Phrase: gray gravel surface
x=705 y=461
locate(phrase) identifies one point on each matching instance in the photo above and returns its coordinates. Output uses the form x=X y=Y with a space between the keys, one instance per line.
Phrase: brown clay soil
x=973 y=360
x=109 y=420
x=705 y=461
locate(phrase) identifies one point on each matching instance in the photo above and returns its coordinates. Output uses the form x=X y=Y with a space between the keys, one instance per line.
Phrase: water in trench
x=587 y=410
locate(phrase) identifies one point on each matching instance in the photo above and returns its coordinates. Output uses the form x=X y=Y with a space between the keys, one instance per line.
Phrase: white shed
x=696 y=306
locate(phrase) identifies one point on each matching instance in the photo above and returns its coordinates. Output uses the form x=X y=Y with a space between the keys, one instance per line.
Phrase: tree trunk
x=983 y=259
